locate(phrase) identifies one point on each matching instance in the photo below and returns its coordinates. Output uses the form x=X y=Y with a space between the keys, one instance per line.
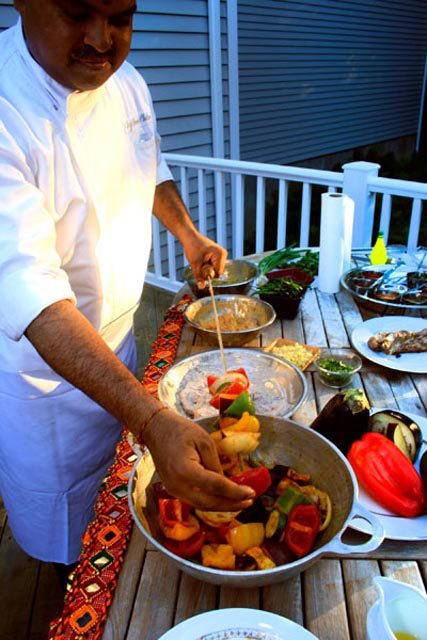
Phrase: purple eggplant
x=344 y=418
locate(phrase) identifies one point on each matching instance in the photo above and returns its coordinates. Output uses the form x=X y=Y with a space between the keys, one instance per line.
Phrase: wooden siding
x=317 y=77
x=8 y=14
x=170 y=48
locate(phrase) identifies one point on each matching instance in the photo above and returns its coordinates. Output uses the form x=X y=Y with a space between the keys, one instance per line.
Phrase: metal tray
x=390 y=275
x=277 y=386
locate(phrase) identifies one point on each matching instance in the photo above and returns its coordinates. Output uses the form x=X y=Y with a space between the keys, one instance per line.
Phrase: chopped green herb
x=337 y=372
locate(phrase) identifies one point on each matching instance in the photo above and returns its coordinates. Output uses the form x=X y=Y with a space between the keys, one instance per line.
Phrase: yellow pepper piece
x=220 y=556
x=247 y=423
x=216 y=436
x=245 y=536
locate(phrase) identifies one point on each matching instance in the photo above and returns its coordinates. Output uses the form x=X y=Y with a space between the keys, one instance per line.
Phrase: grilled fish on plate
x=397 y=342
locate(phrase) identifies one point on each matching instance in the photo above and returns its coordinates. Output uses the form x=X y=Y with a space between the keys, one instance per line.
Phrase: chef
x=80 y=174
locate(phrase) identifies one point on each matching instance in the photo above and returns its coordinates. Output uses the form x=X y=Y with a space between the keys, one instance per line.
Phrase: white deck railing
x=213 y=190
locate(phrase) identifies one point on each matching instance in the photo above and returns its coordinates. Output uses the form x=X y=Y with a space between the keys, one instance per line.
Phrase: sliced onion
x=226 y=379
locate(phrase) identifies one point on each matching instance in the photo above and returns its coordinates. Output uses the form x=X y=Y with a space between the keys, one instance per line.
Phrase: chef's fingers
x=211 y=492
x=212 y=265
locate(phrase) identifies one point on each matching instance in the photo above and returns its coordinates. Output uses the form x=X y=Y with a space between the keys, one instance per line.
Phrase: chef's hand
x=206 y=258
x=187 y=462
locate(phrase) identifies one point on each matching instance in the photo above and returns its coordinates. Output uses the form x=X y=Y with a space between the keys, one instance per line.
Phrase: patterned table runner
x=105 y=541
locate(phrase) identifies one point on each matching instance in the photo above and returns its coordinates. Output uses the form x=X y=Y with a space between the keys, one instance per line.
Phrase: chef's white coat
x=78 y=172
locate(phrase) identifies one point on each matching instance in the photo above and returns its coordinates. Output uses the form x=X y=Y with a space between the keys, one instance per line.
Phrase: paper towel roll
x=336 y=230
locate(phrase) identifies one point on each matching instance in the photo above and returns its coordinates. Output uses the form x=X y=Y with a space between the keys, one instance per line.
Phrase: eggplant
x=278 y=551
x=400 y=429
x=255 y=513
x=344 y=418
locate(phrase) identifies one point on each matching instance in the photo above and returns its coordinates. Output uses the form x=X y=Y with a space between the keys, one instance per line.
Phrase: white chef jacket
x=78 y=171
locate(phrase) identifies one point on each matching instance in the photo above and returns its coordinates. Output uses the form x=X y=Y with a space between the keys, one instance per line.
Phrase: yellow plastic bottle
x=379 y=252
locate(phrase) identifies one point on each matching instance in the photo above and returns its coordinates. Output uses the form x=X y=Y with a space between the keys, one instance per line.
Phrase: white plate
x=396 y=528
x=277 y=386
x=238 y=624
x=410 y=362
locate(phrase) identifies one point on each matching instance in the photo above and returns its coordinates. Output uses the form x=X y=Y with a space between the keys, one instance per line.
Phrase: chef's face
x=80 y=43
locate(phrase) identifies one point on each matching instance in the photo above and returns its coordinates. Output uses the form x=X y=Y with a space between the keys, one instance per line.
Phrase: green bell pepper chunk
x=242 y=403
x=289 y=498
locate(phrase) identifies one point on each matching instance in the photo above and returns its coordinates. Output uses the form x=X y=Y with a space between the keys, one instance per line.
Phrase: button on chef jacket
x=78 y=172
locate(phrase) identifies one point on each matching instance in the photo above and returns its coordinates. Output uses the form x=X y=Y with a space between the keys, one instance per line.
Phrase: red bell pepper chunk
x=302 y=528
x=259 y=479
x=159 y=491
x=173 y=510
x=387 y=475
x=186 y=548
x=222 y=400
x=217 y=535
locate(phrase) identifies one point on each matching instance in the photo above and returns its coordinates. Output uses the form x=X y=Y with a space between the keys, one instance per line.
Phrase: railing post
x=355 y=186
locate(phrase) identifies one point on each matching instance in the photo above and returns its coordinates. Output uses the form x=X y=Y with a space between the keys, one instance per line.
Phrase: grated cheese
x=296 y=353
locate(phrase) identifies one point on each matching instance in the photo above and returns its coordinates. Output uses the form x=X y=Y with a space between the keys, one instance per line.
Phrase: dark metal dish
x=386 y=288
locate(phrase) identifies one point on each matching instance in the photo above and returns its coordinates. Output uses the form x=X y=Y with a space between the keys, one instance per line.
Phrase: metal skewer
x=207 y=272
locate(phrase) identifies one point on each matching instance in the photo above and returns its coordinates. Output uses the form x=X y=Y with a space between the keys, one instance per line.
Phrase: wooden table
x=331 y=598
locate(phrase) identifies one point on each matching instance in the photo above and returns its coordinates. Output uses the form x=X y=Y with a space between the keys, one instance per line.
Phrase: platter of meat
x=397 y=342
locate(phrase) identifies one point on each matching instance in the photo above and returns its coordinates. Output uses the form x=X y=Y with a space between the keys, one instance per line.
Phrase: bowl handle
x=377 y=536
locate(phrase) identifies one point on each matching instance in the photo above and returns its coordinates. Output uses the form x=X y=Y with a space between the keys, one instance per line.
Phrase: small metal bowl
x=337 y=379
x=255 y=315
x=237 y=278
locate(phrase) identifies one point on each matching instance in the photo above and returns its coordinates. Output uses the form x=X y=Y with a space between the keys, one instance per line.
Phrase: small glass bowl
x=328 y=360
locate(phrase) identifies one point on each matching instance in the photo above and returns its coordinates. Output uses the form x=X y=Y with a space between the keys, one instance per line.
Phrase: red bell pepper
x=234 y=381
x=222 y=400
x=259 y=479
x=159 y=491
x=186 y=548
x=387 y=475
x=172 y=510
x=302 y=527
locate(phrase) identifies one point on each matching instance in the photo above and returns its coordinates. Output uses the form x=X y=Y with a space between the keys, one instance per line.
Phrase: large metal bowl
x=277 y=386
x=237 y=277
x=255 y=315
x=291 y=444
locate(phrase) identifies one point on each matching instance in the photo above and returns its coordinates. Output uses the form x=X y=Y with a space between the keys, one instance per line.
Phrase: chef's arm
x=187 y=462
x=171 y=211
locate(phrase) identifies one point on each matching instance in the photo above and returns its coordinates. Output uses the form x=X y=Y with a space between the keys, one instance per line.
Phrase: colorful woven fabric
x=105 y=541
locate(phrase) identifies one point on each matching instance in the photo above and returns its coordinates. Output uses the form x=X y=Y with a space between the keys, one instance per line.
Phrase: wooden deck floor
x=30 y=594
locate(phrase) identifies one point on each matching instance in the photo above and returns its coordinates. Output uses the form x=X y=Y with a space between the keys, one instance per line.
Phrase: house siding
x=170 y=48
x=317 y=78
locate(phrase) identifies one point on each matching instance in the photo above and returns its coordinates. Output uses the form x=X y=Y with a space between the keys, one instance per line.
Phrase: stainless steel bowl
x=237 y=277
x=291 y=444
x=277 y=386
x=244 y=310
